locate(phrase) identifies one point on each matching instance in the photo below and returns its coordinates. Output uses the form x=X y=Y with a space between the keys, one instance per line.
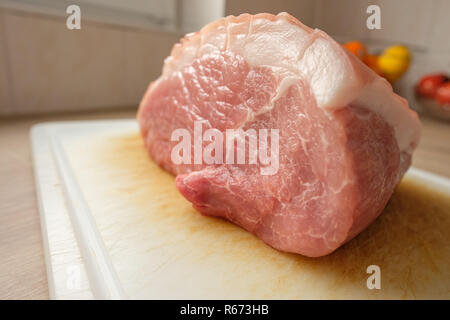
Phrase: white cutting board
x=114 y=226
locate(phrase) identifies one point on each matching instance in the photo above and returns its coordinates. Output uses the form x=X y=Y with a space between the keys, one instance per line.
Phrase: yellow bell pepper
x=394 y=62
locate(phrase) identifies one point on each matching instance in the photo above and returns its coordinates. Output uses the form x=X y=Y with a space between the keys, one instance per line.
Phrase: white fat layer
x=284 y=85
x=294 y=53
x=378 y=97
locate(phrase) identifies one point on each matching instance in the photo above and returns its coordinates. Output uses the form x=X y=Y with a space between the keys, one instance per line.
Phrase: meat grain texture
x=345 y=138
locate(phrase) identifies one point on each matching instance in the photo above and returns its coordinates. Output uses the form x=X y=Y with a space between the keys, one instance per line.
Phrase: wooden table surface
x=22 y=264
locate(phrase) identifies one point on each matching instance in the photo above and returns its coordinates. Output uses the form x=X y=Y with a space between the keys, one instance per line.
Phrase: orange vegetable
x=357 y=48
x=371 y=60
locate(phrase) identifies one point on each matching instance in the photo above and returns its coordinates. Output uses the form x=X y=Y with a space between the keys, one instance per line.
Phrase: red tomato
x=428 y=85
x=443 y=93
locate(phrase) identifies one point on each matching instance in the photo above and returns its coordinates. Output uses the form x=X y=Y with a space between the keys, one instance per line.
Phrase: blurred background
x=108 y=63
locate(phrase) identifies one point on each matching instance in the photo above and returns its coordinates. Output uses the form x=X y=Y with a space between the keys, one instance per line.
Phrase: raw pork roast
x=345 y=138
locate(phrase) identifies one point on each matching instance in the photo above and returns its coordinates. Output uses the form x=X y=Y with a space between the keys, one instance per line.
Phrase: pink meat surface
x=345 y=138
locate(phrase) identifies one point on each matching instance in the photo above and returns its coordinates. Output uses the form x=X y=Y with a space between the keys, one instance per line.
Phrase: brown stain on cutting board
x=410 y=241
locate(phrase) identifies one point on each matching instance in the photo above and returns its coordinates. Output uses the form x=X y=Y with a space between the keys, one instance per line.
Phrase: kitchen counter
x=22 y=263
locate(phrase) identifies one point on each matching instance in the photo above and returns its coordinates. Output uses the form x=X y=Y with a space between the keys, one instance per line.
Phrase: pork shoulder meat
x=345 y=138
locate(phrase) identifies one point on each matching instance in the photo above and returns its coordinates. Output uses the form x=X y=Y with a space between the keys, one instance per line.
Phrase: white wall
x=45 y=67
x=197 y=13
